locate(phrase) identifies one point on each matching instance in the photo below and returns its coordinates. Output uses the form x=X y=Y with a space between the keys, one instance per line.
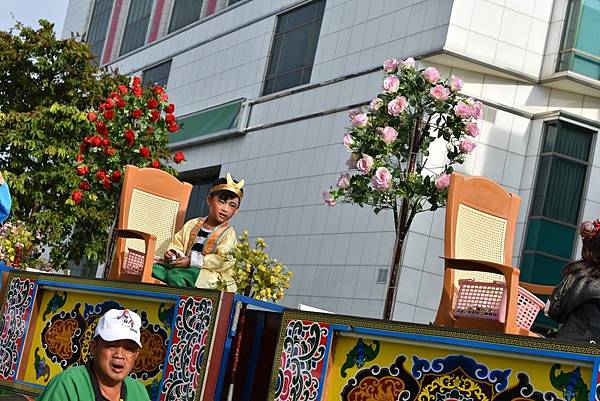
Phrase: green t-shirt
x=74 y=384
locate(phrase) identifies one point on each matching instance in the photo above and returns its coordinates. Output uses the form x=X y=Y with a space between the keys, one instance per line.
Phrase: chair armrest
x=479 y=265
x=537 y=289
x=127 y=233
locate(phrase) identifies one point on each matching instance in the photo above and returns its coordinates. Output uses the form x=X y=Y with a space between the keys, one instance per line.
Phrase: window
x=294 y=46
x=137 y=25
x=556 y=204
x=98 y=27
x=220 y=118
x=581 y=48
x=157 y=75
x=201 y=181
x=184 y=13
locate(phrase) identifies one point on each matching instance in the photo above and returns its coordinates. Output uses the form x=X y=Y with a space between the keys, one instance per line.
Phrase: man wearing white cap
x=114 y=349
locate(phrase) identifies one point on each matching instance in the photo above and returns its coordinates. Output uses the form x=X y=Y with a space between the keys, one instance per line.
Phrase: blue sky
x=30 y=11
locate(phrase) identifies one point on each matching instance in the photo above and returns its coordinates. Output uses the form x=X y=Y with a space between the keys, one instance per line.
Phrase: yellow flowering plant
x=19 y=247
x=256 y=273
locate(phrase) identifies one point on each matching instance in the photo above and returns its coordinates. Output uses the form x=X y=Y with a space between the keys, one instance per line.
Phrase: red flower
x=123 y=89
x=159 y=90
x=173 y=128
x=101 y=128
x=82 y=170
x=137 y=81
x=129 y=137
x=114 y=95
x=116 y=176
x=77 y=197
x=164 y=97
x=84 y=185
x=155 y=164
x=154 y=115
x=109 y=114
x=106 y=183
x=179 y=157
x=149 y=130
x=95 y=141
x=170 y=108
x=83 y=147
x=109 y=103
x=79 y=158
x=121 y=103
x=144 y=151
x=91 y=116
x=152 y=103
x=137 y=91
x=104 y=142
x=109 y=151
x=137 y=113
x=170 y=119
x=101 y=175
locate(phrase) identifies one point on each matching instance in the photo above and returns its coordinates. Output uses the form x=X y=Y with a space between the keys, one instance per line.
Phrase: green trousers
x=176 y=276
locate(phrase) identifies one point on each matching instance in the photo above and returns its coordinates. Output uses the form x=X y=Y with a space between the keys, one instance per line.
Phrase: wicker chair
x=152 y=209
x=480 y=227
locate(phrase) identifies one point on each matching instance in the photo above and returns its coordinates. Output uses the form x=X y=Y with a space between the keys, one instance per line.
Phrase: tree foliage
x=46 y=86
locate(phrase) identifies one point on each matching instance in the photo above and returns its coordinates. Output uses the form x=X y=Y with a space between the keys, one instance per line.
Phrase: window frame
x=154 y=67
x=152 y=6
x=197 y=177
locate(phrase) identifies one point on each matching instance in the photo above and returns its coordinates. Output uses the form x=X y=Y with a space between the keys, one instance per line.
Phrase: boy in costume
x=115 y=348
x=197 y=255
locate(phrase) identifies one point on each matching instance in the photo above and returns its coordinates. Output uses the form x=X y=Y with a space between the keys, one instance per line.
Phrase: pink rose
x=472 y=129
x=442 y=181
x=365 y=164
x=431 y=74
x=382 y=179
x=388 y=134
x=477 y=110
x=344 y=181
x=462 y=110
x=328 y=198
x=391 y=84
x=466 y=145
x=375 y=104
x=397 y=106
x=408 y=63
x=455 y=83
x=351 y=162
x=390 y=66
x=348 y=141
x=359 y=120
x=440 y=92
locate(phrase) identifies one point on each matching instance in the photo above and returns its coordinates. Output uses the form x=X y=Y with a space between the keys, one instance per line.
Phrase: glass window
x=98 y=27
x=157 y=75
x=216 y=119
x=581 y=48
x=201 y=181
x=184 y=13
x=556 y=204
x=294 y=46
x=137 y=25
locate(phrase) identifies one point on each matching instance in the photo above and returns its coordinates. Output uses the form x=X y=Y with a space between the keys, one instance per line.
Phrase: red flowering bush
x=131 y=126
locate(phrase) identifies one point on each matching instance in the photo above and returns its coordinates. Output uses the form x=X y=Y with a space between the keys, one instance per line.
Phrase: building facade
x=263 y=89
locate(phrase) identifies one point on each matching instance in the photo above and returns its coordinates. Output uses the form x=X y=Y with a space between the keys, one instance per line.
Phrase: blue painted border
x=149 y=294
x=40 y=386
x=226 y=352
x=594 y=382
x=325 y=360
x=254 y=354
x=26 y=328
x=256 y=302
x=162 y=379
x=475 y=344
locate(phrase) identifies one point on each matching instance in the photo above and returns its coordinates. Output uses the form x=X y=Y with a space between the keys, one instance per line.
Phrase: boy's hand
x=183 y=261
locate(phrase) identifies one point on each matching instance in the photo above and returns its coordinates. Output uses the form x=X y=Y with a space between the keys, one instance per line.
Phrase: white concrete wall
x=77 y=18
x=336 y=253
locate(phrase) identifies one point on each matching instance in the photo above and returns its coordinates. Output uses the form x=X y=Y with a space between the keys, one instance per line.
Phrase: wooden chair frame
x=155 y=183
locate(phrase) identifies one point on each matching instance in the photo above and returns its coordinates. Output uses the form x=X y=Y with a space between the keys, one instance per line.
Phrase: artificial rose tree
x=389 y=165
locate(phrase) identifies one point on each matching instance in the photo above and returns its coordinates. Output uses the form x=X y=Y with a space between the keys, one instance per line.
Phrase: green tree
x=46 y=87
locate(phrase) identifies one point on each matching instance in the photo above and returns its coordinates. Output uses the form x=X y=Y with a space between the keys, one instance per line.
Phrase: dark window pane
x=137 y=25
x=294 y=46
x=201 y=181
x=568 y=140
x=158 y=75
x=99 y=27
x=184 y=13
x=564 y=191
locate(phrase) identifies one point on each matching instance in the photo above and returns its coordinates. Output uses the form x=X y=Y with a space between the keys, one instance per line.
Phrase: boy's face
x=221 y=209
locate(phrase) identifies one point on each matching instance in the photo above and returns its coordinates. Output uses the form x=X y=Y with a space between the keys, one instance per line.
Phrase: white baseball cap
x=119 y=324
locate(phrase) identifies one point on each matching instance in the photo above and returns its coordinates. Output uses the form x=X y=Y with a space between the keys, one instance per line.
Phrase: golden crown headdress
x=231 y=186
